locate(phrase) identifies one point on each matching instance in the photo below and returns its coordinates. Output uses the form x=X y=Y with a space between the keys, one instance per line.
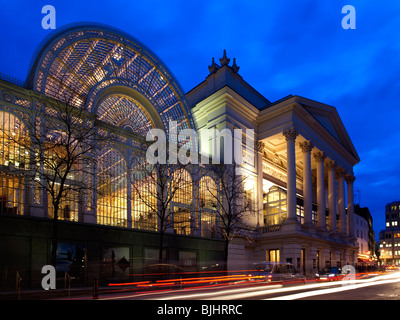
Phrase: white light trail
x=258 y=292
x=355 y=284
x=243 y=293
x=219 y=294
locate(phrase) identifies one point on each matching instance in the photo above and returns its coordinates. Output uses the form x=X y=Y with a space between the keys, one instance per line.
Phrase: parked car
x=276 y=272
x=330 y=274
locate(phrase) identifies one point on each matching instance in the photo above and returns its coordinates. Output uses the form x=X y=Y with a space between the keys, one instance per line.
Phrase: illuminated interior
x=181 y=187
x=112 y=189
x=275 y=208
x=82 y=60
x=125 y=112
x=13 y=138
x=68 y=207
x=208 y=206
x=14 y=156
x=144 y=198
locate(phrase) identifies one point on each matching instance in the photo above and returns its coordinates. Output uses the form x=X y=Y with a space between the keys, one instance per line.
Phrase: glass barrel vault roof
x=76 y=62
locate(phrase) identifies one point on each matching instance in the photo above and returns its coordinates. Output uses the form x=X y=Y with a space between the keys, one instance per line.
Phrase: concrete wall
x=25 y=246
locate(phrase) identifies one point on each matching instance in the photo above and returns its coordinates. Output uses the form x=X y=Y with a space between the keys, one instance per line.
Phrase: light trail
x=355 y=284
x=186 y=290
x=218 y=293
x=237 y=294
x=262 y=290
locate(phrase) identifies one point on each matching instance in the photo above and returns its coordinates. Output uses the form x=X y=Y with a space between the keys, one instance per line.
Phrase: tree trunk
x=54 y=239
x=226 y=249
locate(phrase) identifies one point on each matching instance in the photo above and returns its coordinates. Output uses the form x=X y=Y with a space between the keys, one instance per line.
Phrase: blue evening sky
x=282 y=47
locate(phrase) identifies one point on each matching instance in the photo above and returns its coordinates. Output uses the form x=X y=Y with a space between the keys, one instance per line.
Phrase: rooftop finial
x=235 y=68
x=213 y=66
x=224 y=60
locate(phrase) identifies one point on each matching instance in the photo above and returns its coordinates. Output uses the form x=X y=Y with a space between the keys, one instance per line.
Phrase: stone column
x=306 y=147
x=260 y=177
x=321 y=218
x=331 y=165
x=290 y=135
x=350 y=205
x=341 y=203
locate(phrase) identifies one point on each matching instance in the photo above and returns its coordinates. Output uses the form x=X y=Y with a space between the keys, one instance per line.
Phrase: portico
x=307 y=162
x=302 y=167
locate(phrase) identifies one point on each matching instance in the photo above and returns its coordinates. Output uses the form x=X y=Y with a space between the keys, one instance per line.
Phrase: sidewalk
x=41 y=294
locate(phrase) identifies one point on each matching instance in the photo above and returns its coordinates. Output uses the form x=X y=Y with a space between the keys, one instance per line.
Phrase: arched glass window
x=181 y=187
x=14 y=156
x=208 y=206
x=112 y=189
x=275 y=209
x=57 y=149
x=144 y=196
x=125 y=112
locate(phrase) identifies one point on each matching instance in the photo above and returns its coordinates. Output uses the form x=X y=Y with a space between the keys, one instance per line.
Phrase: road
x=376 y=287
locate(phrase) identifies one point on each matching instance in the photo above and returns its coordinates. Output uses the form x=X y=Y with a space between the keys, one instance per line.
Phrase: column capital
x=260 y=145
x=306 y=146
x=330 y=164
x=319 y=156
x=290 y=134
x=349 y=178
x=340 y=172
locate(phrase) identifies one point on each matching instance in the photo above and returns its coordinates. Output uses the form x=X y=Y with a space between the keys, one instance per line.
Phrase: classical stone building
x=300 y=174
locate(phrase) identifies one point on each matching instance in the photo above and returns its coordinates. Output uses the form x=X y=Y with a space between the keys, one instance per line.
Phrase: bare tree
x=157 y=187
x=61 y=154
x=234 y=203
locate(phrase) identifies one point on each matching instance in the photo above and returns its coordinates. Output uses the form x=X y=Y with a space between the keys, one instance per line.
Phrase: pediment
x=328 y=117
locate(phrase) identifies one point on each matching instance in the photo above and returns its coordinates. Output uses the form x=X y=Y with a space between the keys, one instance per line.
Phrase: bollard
x=18 y=285
x=95 y=288
x=67 y=283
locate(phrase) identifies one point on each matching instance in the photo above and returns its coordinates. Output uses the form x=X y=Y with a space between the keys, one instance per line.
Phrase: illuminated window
x=182 y=221
x=181 y=186
x=275 y=210
x=208 y=193
x=68 y=207
x=208 y=206
x=14 y=140
x=112 y=189
x=144 y=198
x=14 y=156
x=273 y=255
x=208 y=228
x=54 y=166
x=126 y=113
x=11 y=194
x=300 y=213
x=182 y=190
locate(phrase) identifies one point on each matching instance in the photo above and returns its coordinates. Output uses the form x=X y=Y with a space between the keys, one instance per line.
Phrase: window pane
x=112 y=189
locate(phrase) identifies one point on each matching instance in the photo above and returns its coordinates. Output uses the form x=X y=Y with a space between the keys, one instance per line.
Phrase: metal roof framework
x=77 y=63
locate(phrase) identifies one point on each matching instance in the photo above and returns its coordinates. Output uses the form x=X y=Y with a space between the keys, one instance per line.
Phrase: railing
x=11 y=79
x=272 y=228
